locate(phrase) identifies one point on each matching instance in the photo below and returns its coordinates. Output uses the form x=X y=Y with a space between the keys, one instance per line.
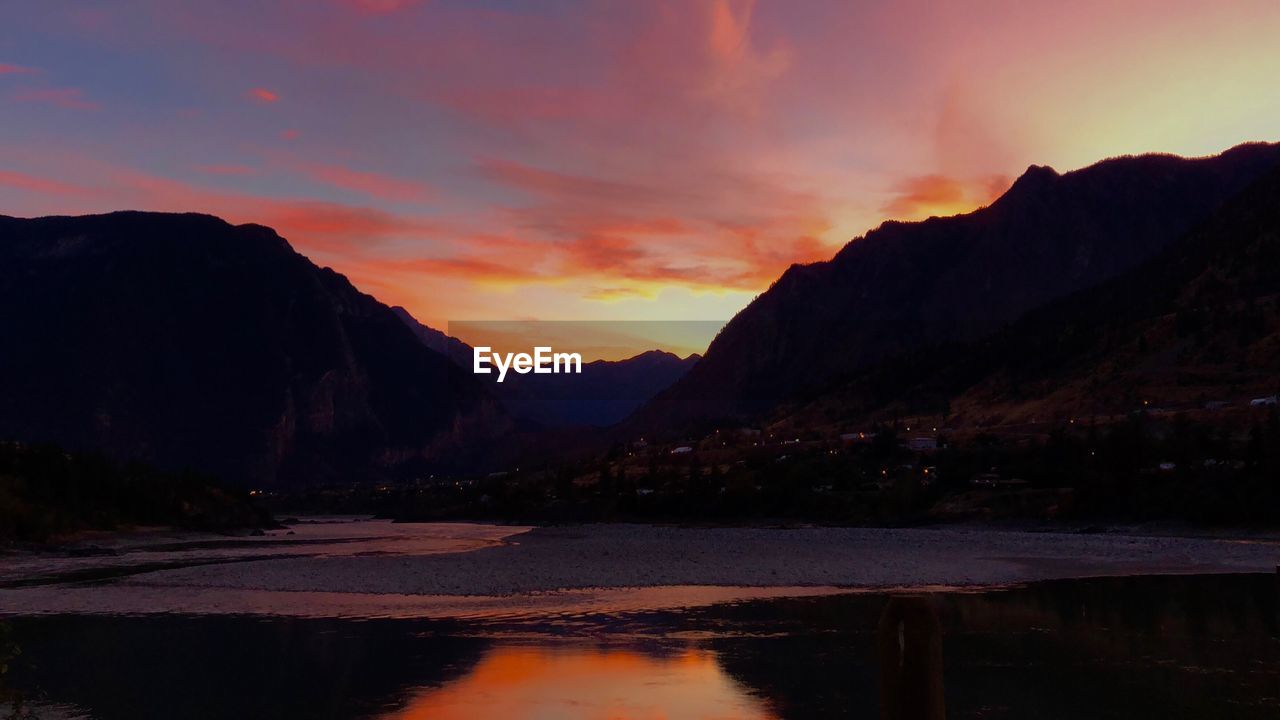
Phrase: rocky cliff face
x=188 y=342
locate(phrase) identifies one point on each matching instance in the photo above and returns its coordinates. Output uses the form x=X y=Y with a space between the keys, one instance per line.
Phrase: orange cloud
x=263 y=95
x=488 y=271
x=927 y=195
x=613 y=294
x=725 y=231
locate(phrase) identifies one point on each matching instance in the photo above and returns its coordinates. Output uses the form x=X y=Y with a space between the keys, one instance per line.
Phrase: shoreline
x=376 y=568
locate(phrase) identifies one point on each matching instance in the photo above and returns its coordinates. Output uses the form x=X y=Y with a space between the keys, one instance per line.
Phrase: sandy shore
x=425 y=569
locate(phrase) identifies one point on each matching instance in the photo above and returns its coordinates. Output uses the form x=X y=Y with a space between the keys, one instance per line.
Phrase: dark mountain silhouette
x=907 y=286
x=1197 y=327
x=606 y=391
x=446 y=345
x=191 y=343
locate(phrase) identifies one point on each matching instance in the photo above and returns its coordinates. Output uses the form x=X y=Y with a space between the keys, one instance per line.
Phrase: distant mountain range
x=187 y=342
x=606 y=392
x=905 y=288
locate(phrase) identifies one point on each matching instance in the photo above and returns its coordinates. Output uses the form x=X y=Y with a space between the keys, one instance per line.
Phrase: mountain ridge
x=904 y=286
x=1195 y=328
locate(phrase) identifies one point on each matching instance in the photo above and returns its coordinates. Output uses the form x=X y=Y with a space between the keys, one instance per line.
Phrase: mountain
x=606 y=391
x=908 y=286
x=1198 y=325
x=446 y=345
x=1197 y=328
x=186 y=342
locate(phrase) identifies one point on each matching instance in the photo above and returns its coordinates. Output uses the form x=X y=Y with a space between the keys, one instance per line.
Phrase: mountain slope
x=1197 y=325
x=606 y=391
x=447 y=345
x=905 y=286
x=188 y=342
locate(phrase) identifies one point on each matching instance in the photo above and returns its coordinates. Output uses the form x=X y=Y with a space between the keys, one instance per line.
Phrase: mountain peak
x=1035 y=179
x=1038 y=173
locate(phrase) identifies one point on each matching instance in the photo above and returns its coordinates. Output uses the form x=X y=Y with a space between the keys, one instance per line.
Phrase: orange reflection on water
x=570 y=683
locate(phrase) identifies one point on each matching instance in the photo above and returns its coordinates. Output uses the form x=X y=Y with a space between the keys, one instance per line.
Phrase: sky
x=601 y=159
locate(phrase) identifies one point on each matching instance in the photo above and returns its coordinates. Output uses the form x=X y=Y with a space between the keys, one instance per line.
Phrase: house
x=1265 y=401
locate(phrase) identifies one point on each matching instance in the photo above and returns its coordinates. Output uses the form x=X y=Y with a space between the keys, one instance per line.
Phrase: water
x=1167 y=647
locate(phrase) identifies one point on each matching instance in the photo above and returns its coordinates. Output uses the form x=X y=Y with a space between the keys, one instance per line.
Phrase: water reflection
x=568 y=682
x=1171 y=647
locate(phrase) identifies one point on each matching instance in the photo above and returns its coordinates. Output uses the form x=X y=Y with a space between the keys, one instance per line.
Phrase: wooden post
x=910 y=649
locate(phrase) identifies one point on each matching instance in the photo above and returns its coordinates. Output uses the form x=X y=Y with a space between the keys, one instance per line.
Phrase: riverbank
x=374 y=568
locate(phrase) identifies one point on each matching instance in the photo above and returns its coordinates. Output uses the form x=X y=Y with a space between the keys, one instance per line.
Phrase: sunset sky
x=564 y=159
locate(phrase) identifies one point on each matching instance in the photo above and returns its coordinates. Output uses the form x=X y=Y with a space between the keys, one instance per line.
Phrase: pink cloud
x=39 y=185
x=374 y=185
x=379 y=7
x=11 y=69
x=329 y=229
